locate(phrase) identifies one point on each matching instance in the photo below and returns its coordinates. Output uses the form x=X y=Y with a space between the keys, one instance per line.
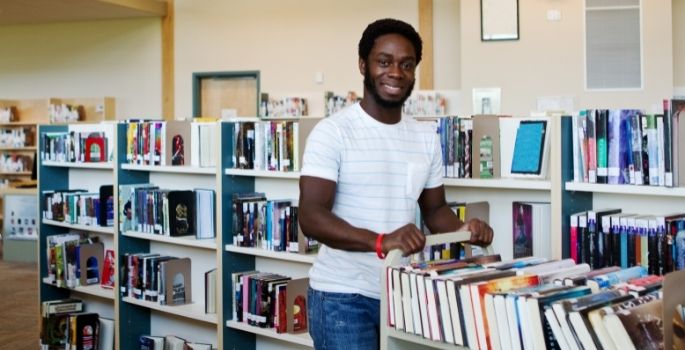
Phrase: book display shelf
x=276 y=185
x=65 y=176
x=577 y=197
x=138 y=317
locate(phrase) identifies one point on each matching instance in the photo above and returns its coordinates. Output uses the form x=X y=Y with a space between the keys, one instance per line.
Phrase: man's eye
x=383 y=63
x=408 y=65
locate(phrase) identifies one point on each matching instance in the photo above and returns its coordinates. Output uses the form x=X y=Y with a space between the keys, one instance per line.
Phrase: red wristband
x=379 y=246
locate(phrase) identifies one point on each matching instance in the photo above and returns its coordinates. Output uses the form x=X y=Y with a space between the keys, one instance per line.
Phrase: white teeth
x=394 y=88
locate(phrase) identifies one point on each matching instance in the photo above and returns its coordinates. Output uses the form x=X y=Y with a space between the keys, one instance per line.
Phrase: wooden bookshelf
x=19 y=149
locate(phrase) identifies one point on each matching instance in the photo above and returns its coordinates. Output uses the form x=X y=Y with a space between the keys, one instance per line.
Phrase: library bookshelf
x=276 y=185
x=139 y=317
x=54 y=176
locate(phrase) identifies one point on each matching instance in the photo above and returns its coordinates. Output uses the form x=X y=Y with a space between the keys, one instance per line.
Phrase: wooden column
x=168 y=92
x=426 y=31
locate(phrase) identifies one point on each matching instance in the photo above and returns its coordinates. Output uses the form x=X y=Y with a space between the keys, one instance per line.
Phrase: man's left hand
x=481 y=232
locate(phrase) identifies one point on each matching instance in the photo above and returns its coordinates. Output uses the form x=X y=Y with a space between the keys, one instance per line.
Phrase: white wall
x=549 y=58
x=118 y=58
x=288 y=41
x=678 y=17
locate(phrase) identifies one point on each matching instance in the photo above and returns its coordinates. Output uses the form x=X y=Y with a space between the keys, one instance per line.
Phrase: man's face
x=389 y=71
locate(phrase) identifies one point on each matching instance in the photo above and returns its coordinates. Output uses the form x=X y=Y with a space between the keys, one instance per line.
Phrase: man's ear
x=362 y=66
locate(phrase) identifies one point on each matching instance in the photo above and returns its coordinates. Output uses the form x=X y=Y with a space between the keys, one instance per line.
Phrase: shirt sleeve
x=323 y=151
x=436 y=169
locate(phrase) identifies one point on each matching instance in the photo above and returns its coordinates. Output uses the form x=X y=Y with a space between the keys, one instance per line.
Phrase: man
x=364 y=171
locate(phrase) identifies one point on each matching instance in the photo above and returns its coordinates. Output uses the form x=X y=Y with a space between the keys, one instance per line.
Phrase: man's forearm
x=324 y=226
x=443 y=220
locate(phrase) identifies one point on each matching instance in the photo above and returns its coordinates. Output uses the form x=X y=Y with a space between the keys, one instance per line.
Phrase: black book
x=87 y=331
x=602 y=116
x=603 y=245
x=181 y=213
x=106 y=213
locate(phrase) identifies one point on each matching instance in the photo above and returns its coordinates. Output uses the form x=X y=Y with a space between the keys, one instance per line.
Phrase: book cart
x=394 y=339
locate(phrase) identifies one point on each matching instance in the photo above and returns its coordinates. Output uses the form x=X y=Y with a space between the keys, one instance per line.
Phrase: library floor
x=18 y=306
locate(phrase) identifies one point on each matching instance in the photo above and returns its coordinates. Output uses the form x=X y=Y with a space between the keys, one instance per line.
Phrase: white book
x=406 y=302
x=493 y=327
x=397 y=299
x=389 y=296
x=423 y=306
x=433 y=318
x=617 y=332
x=469 y=321
x=569 y=337
x=660 y=149
x=556 y=329
x=415 y=312
x=446 y=324
x=513 y=320
x=501 y=318
x=454 y=310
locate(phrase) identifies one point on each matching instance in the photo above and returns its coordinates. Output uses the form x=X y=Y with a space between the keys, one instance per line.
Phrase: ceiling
x=44 y=11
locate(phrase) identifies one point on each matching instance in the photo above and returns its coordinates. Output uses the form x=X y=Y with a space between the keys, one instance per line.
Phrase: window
x=613 y=57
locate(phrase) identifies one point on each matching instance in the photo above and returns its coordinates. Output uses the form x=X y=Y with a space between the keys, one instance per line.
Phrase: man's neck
x=382 y=114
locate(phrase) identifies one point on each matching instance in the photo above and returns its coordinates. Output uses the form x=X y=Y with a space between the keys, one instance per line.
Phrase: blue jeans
x=343 y=321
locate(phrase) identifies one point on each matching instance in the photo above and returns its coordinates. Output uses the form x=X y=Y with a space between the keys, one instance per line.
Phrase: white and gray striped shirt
x=380 y=171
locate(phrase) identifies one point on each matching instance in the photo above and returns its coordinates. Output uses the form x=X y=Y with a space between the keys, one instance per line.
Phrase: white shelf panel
x=301 y=338
x=94 y=290
x=99 y=165
x=195 y=311
x=286 y=256
x=627 y=189
x=516 y=184
x=416 y=339
x=89 y=228
x=170 y=169
x=263 y=173
x=188 y=241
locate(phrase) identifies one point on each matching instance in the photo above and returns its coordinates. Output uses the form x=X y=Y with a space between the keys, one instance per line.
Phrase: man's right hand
x=408 y=238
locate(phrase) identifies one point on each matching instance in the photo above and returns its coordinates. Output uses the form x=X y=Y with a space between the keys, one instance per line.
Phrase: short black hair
x=389 y=26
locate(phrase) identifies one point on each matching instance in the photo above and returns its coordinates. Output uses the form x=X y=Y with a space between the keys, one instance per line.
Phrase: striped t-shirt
x=380 y=171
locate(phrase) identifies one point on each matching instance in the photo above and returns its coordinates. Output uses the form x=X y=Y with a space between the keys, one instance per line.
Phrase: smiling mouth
x=392 y=89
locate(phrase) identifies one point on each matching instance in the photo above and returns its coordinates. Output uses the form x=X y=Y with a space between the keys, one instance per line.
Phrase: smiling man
x=365 y=170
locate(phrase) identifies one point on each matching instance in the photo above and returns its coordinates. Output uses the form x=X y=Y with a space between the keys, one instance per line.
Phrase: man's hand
x=481 y=232
x=407 y=238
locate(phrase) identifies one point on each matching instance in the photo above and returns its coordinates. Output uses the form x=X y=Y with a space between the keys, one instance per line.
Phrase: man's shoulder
x=426 y=127
x=345 y=115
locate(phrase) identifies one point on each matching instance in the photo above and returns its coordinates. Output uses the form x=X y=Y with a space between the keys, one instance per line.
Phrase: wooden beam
x=426 y=31
x=168 y=91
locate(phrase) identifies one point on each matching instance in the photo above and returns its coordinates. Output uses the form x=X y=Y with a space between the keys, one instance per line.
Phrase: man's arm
x=318 y=221
x=440 y=218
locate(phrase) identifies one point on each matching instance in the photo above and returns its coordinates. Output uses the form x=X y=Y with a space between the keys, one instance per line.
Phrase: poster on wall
x=20 y=217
